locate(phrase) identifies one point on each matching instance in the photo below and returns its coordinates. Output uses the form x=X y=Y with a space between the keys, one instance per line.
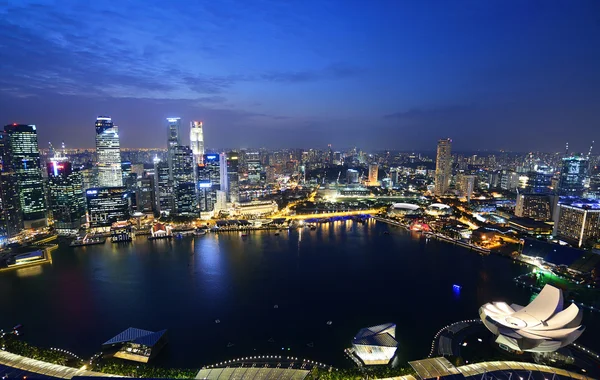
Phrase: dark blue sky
x=518 y=75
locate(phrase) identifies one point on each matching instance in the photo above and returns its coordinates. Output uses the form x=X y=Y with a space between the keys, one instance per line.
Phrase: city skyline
x=285 y=75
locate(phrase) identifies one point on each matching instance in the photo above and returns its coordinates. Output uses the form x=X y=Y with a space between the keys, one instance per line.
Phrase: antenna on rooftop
x=590 y=152
x=567 y=150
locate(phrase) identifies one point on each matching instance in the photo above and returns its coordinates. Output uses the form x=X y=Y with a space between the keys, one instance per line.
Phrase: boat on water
x=277 y=233
x=244 y=235
x=200 y=232
x=79 y=242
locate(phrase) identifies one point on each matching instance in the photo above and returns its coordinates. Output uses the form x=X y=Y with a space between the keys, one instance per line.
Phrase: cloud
x=423 y=113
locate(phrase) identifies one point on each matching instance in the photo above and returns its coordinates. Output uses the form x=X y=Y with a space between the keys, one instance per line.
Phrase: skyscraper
x=197 y=141
x=233 y=189
x=11 y=216
x=163 y=189
x=184 y=188
x=573 y=176
x=443 y=169
x=174 y=124
x=108 y=152
x=66 y=198
x=373 y=174
x=25 y=156
x=209 y=182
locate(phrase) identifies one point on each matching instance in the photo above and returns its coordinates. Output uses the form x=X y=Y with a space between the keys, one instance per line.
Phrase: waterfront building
x=145 y=195
x=209 y=182
x=108 y=152
x=66 y=198
x=443 y=167
x=375 y=345
x=579 y=222
x=255 y=208
x=573 y=176
x=182 y=176
x=541 y=326
x=233 y=189
x=11 y=216
x=25 y=155
x=352 y=177
x=373 y=175
x=163 y=187
x=438 y=209
x=107 y=205
x=403 y=209
x=136 y=344
x=197 y=141
x=535 y=206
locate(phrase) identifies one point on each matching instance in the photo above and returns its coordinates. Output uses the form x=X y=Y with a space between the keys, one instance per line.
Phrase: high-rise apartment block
x=443 y=167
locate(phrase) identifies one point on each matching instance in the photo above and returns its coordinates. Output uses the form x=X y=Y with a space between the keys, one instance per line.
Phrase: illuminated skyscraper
x=173 y=138
x=11 y=216
x=163 y=189
x=197 y=141
x=573 y=176
x=233 y=189
x=108 y=151
x=25 y=156
x=66 y=197
x=373 y=174
x=443 y=168
x=209 y=182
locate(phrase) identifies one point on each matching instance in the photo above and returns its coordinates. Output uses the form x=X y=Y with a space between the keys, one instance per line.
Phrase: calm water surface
x=349 y=273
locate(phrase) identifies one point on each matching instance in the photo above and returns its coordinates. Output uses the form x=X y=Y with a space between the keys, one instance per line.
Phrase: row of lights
x=65 y=352
x=267 y=357
x=445 y=328
x=588 y=351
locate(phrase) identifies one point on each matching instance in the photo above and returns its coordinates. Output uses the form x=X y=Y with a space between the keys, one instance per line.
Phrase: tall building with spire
x=443 y=166
x=197 y=141
x=25 y=155
x=108 y=152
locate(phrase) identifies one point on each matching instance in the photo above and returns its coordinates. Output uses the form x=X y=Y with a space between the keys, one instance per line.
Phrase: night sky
x=518 y=75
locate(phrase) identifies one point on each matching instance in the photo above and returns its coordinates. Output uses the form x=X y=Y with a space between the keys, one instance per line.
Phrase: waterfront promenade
x=46 y=369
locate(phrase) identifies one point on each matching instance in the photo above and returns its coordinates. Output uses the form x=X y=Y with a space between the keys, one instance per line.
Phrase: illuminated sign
x=104 y=118
x=91 y=192
x=172 y=119
x=204 y=185
x=211 y=157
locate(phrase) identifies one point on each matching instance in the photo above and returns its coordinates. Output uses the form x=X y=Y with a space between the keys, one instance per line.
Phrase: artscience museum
x=541 y=326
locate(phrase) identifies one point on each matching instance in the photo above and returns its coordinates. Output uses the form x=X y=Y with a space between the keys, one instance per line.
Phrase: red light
x=14 y=123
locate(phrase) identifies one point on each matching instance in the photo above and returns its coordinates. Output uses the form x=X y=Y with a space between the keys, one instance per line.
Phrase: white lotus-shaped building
x=541 y=326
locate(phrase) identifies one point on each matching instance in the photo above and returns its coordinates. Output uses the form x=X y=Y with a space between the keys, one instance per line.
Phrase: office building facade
x=573 y=176
x=65 y=196
x=25 y=157
x=107 y=205
x=443 y=167
x=163 y=187
x=534 y=206
x=108 y=153
x=11 y=216
x=373 y=175
x=233 y=177
x=209 y=182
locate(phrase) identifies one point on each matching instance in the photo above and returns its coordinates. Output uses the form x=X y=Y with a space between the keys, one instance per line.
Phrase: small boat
x=244 y=235
x=277 y=233
x=217 y=321
x=276 y=307
x=386 y=232
x=17 y=326
x=271 y=340
x=312 y=228
x=329 y=323
x=311 y=344
x=230 y=344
